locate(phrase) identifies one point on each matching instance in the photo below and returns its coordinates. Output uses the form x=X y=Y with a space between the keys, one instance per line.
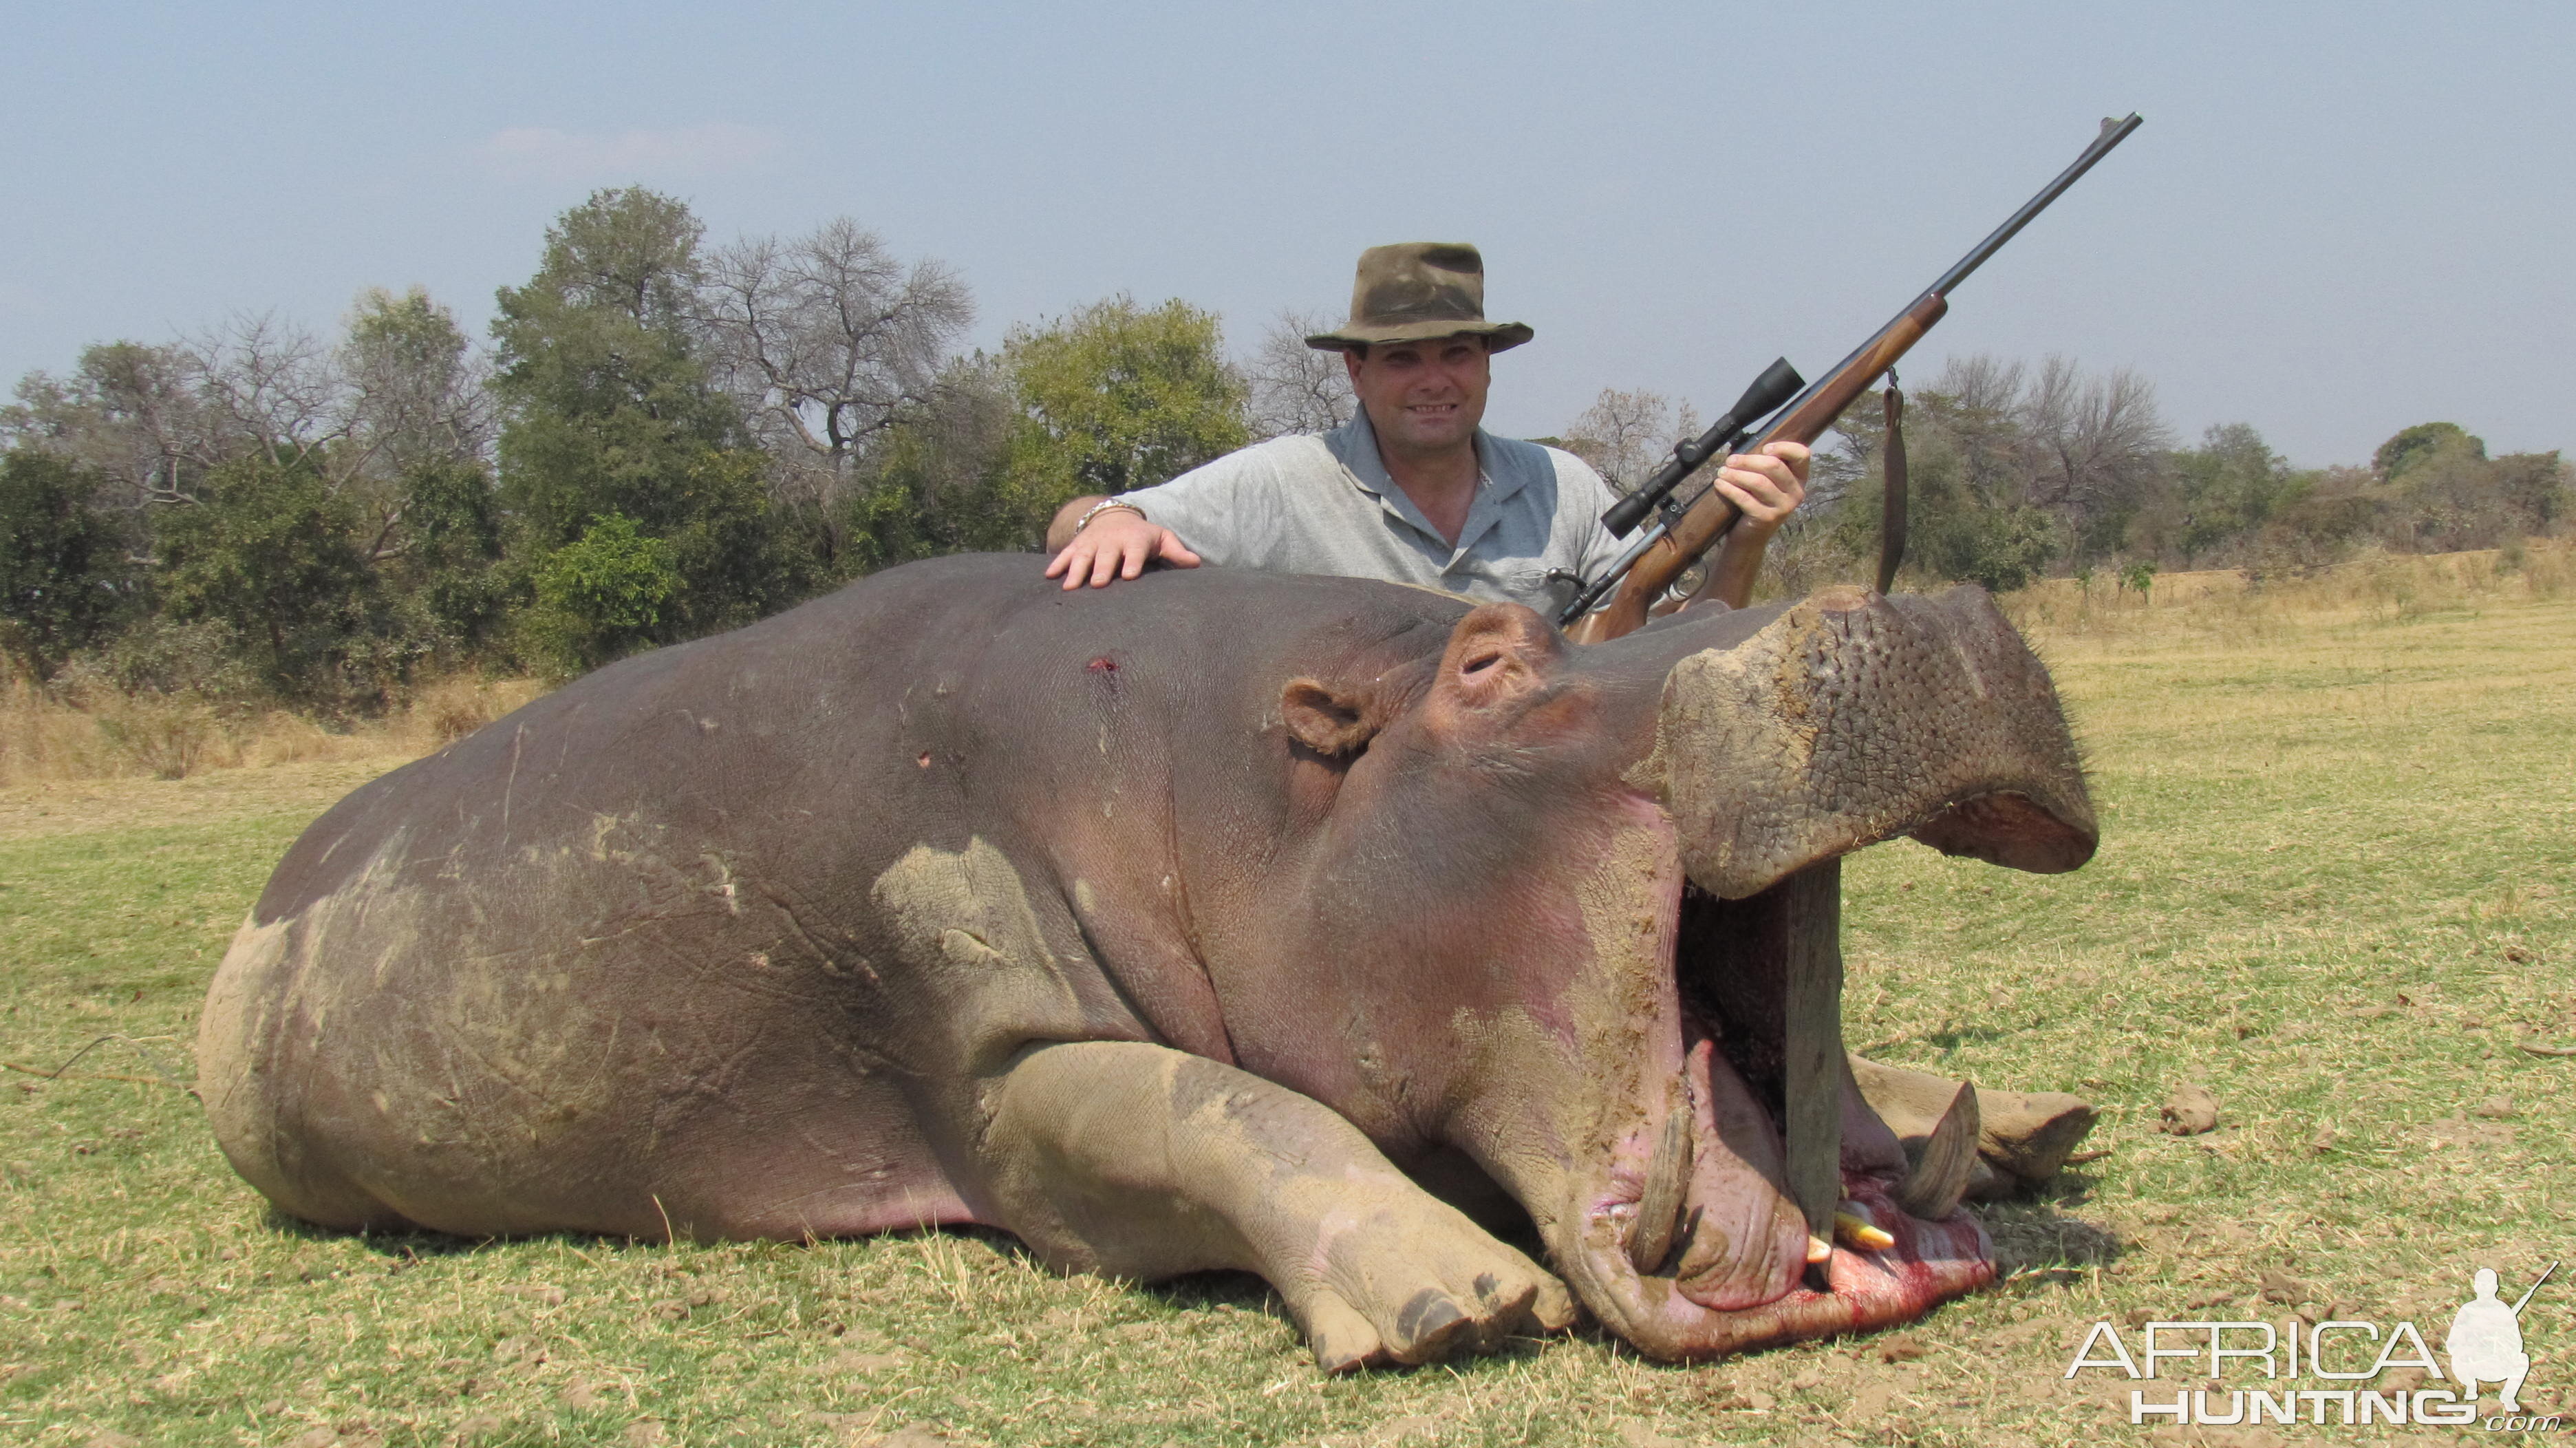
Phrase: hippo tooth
x=1932 y=1190
x=1818 y=1250
x=1667 y=1180
x=1853 y=1228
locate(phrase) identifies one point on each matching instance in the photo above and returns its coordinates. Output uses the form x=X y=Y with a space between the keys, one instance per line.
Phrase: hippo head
x=1597 y=889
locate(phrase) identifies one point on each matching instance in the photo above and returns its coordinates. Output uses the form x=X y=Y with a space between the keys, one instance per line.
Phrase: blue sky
x=2338 y=220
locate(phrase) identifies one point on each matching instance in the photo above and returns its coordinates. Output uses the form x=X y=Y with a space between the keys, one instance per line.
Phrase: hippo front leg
x=1139 y=1161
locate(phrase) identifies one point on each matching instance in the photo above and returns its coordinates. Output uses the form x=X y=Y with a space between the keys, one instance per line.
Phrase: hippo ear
x=1498 y=651
x=1330 y=723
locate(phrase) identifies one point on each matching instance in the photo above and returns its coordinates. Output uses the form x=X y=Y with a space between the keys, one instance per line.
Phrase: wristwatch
x=1103 y=506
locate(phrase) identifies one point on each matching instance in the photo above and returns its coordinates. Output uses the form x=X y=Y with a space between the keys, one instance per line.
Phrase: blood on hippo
x=1238 y=910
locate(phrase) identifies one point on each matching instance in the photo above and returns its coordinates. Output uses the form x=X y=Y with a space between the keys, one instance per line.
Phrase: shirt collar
x=1354 y=443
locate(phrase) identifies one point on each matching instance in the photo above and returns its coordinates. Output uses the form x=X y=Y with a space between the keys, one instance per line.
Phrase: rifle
x=2525 y=1300
x=1687 y=531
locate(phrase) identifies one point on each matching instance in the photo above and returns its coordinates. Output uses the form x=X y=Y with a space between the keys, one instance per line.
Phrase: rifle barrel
x=2535 y=1287
x=2113 y=133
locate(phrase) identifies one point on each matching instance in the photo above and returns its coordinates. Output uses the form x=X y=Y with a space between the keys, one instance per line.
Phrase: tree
x=416 y=430
x=272 y=389
x=2101 y=441
x=2221 y=492
x=2536 y=487
x=1626 y=436
x=415 y=392
x=939 y=479
x=1972 y=474
x=272 y=555
x=2420 y=442
x=450 y=563
x=135 y=413
x=1291 y=387
x=823 y=341
x=64 y=580
x=1968 y=479
x=2438 y=491
x=1115 y=397
x=606 y=593
x=611 y=413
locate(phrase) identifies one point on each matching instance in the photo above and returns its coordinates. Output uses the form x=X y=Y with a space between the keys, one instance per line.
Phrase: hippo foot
x=1398 y=1276
x=1137 y=1161
x=2025 y=1137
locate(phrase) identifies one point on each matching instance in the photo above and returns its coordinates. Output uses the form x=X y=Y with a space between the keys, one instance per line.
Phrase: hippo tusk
x=1932 y=1190
x=1667 y=1181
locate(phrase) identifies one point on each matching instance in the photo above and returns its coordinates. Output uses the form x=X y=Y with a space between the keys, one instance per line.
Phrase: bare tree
x=2102 y=440
x=1626 y=436
x=135 y=412
x=1976 y=405
x=1981 y=384
x=415 y=389
x=825 y=339
x=414 y=396
x=403 y=387
x=1296 y=388
x=272 y=385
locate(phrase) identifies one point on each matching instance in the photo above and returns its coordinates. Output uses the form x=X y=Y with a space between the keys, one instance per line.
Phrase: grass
x=2337 y=888
x=83 y=732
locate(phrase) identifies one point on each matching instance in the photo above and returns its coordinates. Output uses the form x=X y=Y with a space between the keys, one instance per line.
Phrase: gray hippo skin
x=1213 y=920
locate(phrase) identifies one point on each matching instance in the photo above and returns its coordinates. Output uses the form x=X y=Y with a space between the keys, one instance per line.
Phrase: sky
x=2338 y=220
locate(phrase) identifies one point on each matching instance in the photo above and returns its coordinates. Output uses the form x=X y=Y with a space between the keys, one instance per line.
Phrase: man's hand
x=1118 y=544
x=1766 y=487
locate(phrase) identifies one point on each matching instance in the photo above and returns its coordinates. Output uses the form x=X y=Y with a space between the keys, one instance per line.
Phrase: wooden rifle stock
x=1707 y=519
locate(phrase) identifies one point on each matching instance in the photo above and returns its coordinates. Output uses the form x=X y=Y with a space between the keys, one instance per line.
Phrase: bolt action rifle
x=1685 y=531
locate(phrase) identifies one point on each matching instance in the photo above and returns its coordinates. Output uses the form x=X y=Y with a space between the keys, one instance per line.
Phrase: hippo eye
x=1480 y=663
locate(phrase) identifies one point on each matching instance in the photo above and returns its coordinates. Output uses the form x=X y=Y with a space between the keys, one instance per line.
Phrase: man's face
x=1423 y=397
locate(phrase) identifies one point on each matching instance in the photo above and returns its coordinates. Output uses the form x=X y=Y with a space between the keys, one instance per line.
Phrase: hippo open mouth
x=1752 y=1196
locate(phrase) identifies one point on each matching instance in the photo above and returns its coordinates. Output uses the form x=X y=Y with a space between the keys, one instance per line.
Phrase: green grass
x=2337 y=887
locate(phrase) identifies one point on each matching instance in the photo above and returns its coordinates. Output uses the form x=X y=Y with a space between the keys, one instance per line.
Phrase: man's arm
x=1060 y=530
x=1118 y=543
x=1766 y=487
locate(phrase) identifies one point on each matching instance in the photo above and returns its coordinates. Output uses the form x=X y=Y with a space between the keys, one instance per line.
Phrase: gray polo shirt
x=1323 y=503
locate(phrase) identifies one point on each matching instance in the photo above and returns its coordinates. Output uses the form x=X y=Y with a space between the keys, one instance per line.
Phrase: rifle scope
x=1777 y=384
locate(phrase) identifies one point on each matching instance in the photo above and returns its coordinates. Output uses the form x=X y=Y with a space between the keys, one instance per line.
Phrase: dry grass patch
x=48 y=737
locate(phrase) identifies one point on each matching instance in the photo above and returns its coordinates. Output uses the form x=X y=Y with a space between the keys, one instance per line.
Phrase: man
x=1413 y=489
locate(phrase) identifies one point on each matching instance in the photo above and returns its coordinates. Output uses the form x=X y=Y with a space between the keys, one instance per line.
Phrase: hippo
x=1341 y=932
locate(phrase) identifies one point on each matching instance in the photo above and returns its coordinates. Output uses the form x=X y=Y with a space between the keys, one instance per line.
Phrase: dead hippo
x=1217 y=920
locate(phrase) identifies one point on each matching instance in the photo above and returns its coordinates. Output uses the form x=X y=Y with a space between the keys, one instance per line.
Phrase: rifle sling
x=1891 y=518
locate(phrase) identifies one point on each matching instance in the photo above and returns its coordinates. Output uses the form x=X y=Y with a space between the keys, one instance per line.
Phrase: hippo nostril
x=1480 y=663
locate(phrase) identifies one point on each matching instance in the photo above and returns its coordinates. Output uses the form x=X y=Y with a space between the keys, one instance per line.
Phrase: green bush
x=64 y=578
x=607 y=593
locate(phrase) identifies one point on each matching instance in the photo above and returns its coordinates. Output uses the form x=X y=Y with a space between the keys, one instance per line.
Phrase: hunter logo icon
x=2349 y=1361
x=2486 y=1340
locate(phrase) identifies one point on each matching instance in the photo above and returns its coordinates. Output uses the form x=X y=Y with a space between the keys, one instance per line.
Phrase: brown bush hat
x=1414 y=291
